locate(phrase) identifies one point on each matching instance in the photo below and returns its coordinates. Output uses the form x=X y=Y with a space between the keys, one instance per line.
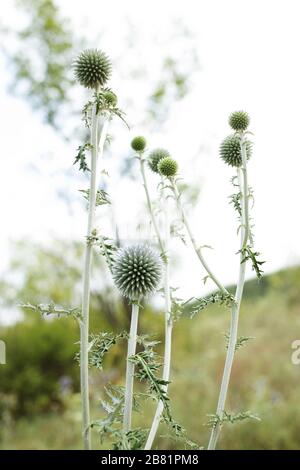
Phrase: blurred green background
x=40 y=403
x=39 y=385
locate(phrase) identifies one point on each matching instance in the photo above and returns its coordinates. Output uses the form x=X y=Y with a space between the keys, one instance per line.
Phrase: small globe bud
x=137 y=271
x=155 y=157
x=110 y=98
x=230 y=150
x=138 y=143
x=167 y=167
x=92 y=68
x=239 y=120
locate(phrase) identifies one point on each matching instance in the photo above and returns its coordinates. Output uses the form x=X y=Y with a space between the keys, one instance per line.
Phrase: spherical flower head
x=230 y=150
x=137 y=271
x=167 y=167
x=110 y=98
x=138 y=143
x=155 y=157
x=239 y=120
x=92 y=68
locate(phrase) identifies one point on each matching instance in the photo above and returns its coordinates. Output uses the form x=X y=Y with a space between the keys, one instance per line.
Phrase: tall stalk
x=84 y=329
x=245 y=231
x=92 y=69
x=130 y=369
x=136 y=272
x=197 y=249
x=168 y=327
x=139 y=144
x=149 y=204
x=168 y=167
x=97 y=146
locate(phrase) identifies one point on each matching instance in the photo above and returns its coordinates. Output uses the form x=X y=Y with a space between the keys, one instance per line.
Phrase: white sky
x=249 y=58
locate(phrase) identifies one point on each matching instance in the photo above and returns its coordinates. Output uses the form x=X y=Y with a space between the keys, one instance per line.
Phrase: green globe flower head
x=230 y=150
x=155 y=157
x=138 y=143
x=239 y=120
x=92 y=68
x=167 y=167
x=137 y=271
x=110 y=98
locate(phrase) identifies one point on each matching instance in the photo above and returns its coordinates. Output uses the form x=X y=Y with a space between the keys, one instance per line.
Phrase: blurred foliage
x=174 y=81
x=40 y=366
x=41 y=351
x=45 y=46
x=39 y=274
x=40 y=379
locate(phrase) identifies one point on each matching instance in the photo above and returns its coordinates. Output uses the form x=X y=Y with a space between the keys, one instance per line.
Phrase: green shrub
x=40 y=365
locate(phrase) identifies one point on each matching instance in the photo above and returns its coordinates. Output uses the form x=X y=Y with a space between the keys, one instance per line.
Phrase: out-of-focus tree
x=43 y=47
x=47 y=43
x=39 y=274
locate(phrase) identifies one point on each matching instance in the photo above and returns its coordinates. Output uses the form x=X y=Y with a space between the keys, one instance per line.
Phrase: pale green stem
x=192 y=239
x=245 y=231
x=168 y=328
x=130 y=369
x=153 y=220
x=96 y=151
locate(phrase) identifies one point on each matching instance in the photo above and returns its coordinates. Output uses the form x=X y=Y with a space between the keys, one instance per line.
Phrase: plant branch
x=130 y=369
x=96 y=148
x=149 y=204
x=192 y=238
x=168 y=327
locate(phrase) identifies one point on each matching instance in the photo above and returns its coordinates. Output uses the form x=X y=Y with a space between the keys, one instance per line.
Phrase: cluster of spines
x=110 y=97
x=138 y=143
x=239 y=120
x=137 y=271
x=155 y=157
x=167 y=167
x=231 y=152
x=231 y=146
x=92 y=68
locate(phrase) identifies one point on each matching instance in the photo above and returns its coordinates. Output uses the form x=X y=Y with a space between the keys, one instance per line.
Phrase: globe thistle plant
x=230 y=150
x=136 y=272
x=235 y=150
x=138 y=143
x=239 y=120
x=92 y=68
x=154 y=158
x=168 y=167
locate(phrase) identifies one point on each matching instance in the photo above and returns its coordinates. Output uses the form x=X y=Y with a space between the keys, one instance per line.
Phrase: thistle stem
x=153 y=220
x=168 y=329
x=130 y=369
x=245 y=232
x=192 y=238
x=96 y=151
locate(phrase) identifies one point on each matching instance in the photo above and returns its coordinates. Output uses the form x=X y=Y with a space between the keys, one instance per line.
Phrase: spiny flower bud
x=239 y=120
x=138 y=143
x=155 y=157
x=167 y=167
x=230 y=150
x=92 y=68
x=137 y=271
x=110 y=98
